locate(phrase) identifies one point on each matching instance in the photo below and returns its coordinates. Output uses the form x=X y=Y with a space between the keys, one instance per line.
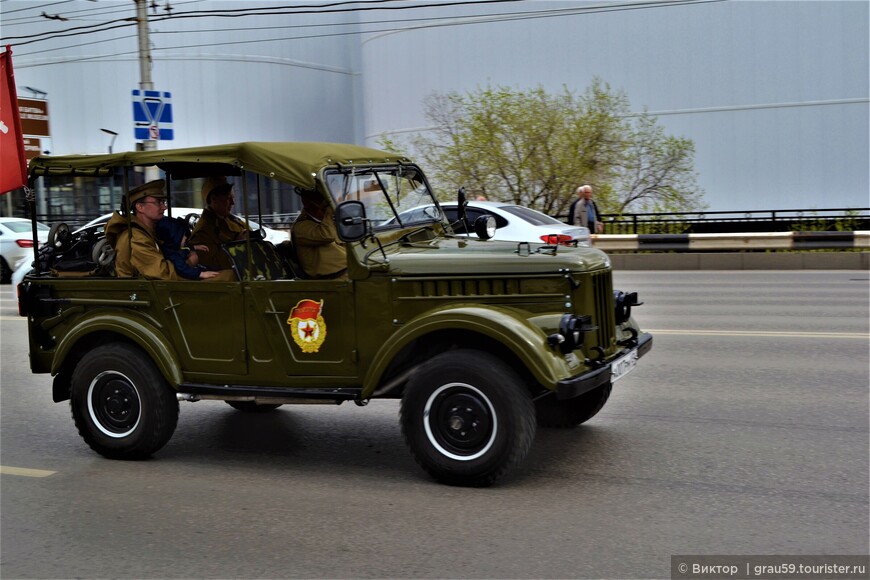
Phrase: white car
x=513 y=223
x=274 y=236
x=16 y=243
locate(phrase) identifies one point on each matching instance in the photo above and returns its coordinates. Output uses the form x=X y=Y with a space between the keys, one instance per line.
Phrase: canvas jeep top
x=481 y=340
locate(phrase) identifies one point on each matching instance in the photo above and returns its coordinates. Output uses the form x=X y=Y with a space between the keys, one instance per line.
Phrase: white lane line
x=24 y=472
x=762 y=333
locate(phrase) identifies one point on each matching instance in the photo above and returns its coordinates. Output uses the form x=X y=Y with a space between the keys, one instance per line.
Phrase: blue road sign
x=152 y=115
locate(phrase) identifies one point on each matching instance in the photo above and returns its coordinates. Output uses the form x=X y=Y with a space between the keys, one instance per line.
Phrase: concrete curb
x=733 y=241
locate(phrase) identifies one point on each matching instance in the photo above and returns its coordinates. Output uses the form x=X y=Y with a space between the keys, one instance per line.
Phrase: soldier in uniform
x=136 y=250
x=321 y=254
x=217 y=225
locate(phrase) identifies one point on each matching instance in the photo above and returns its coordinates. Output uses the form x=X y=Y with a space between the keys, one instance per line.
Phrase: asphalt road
x=745 y=431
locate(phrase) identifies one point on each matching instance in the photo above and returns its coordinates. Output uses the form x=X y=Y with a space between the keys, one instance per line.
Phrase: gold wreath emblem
x=307 y=325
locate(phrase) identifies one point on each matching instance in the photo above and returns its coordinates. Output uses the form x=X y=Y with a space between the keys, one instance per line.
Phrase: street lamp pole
x=112 y=176
x=112 y=142
x=145 y=83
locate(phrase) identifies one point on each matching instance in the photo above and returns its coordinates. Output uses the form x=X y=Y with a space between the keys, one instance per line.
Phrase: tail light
x=24 y=243
x=556 y=239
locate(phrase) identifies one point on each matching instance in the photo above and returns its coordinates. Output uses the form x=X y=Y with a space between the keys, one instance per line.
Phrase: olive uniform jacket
x=320 y=253
x=213 y=231
x=139 y=255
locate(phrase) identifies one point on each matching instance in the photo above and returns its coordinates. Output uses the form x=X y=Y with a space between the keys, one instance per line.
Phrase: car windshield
x=386 y=194
x=25 y=227
x=532 y=216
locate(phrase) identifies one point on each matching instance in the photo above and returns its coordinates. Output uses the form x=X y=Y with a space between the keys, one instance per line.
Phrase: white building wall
x=774 y=94
x=289 y=90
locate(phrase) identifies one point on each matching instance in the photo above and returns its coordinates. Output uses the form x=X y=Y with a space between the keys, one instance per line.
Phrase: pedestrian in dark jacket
x=584 y=212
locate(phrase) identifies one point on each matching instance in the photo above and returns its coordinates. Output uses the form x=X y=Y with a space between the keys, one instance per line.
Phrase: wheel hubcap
x=460 y=421
x=113 y=404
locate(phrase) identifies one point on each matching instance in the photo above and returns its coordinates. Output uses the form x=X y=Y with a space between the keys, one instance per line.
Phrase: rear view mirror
x=350 y=221
x=484 y=227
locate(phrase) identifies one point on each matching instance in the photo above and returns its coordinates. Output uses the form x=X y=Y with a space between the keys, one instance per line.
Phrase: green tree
x=534 y=148
x=655 y=172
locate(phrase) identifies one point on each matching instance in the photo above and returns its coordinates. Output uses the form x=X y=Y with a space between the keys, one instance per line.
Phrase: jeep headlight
x=571 y=331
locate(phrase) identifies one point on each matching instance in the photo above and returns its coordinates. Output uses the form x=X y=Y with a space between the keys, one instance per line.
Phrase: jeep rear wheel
x=552 y=412
x=252 y=406
x=121 y=404
x=467 y=418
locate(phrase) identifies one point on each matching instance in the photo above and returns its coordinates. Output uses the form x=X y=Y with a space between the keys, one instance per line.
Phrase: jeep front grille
x=533 y=292
x=605 y=316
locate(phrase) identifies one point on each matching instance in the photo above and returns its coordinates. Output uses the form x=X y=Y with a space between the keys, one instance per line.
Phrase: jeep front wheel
x=121 y=404
x=467 y=418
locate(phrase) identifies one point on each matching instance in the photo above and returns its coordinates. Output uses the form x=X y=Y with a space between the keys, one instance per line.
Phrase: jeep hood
x=469 y=256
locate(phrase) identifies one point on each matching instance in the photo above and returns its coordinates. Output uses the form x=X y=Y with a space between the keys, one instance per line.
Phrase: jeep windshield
x=388 y=195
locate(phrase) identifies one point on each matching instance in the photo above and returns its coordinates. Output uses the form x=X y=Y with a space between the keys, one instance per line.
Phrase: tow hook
x=631 y=340
x=599 y=356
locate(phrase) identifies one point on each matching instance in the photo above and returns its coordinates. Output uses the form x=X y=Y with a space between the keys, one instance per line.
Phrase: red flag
x=307 y=310
x=13 y=163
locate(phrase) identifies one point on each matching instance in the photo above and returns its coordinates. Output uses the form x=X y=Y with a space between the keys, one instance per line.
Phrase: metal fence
x=715 y=222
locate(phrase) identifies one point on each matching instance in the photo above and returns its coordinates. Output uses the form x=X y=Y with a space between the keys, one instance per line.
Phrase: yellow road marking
x=764 y=333
x=24 y=472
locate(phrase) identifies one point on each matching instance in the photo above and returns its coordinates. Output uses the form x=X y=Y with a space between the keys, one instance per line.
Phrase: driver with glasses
x=137 y=252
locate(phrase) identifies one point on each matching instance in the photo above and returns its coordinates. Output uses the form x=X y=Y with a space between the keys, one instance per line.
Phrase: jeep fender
x=138 y=331
x=523 y=338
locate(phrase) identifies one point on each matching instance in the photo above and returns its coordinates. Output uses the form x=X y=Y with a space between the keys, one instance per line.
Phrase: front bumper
x=576 y=386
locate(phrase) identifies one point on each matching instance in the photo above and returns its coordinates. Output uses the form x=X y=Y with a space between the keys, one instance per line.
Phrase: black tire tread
x=561 y=414
x=159 y=403
x=510 y=386
x=5 y=272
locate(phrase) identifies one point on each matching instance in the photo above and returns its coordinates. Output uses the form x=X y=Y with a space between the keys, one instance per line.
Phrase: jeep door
x=301 y=328
x=206 y=323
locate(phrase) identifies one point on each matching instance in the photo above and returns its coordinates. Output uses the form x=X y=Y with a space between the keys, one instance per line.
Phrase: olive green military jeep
x=481 y=340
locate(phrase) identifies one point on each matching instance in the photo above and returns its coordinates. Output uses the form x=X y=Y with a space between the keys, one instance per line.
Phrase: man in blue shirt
x=584 y=212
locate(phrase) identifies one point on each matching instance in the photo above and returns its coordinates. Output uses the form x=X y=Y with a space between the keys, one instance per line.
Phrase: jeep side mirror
x=350 y=221
x=484 y=227
x=461 y=202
